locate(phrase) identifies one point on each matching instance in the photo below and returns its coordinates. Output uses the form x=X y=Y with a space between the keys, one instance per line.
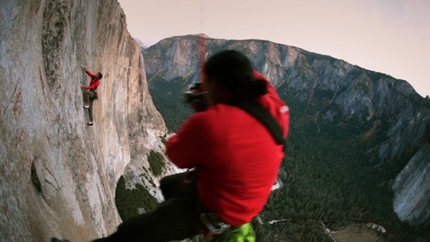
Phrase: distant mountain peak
x=140 y=43
x=203 y=35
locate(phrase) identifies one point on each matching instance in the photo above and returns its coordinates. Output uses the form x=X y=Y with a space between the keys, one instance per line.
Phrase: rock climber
x=90 y=92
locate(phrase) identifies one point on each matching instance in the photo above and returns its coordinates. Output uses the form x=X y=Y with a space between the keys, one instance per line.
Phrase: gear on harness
x=218 y=231
x=212 y=223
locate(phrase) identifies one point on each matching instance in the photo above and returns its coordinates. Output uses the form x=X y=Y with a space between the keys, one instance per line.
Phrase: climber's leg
x=174 y=219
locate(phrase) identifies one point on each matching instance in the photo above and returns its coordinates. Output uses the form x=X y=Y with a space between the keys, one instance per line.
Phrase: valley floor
x=357 y=232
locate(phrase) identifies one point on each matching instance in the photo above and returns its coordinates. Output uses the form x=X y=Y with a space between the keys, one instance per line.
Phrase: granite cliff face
x=412 y=197
x=58 y=175
x=378 y=100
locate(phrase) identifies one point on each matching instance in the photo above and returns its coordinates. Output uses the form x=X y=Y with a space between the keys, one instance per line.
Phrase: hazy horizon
x=391 y=37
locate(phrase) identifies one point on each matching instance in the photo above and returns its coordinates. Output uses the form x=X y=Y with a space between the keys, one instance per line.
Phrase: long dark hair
x=233 y=71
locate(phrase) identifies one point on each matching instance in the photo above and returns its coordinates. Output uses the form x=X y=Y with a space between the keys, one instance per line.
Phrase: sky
x=387 y=36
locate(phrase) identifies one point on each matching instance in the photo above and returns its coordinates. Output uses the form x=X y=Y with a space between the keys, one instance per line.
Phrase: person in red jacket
x=90 y=92
x=235 y=156
x=237 y=159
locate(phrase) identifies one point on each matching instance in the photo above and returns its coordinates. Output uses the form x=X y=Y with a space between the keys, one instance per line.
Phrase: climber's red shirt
x=237 y=158
x=94 y=81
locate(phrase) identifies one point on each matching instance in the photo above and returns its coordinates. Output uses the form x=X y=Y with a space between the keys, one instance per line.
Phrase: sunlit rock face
x=412 y=189
x=70 y=192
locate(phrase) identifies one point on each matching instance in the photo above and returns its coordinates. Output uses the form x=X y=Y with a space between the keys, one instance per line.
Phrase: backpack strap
x=256 y=110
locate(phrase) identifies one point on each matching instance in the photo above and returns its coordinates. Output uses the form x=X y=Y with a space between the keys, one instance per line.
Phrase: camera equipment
x=196 y=97
x=194 y=92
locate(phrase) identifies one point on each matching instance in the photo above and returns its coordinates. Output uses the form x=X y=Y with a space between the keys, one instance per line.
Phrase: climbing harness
x=218 y=231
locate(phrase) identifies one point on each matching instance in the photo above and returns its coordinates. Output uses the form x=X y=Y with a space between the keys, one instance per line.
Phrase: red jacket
x=94 y=81
x=237 y=158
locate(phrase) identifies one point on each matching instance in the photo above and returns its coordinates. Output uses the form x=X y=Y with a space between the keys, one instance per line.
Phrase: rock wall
x=412 y=189
x=58 y=175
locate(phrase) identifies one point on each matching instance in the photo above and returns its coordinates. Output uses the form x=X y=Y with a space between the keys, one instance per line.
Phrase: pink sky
x=388 y=36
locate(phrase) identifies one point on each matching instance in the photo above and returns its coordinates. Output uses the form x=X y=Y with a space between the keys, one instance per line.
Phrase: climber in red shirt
x=236 y=158
x=90 y=92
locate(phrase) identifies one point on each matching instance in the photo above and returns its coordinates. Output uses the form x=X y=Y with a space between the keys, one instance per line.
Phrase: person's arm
x=88 y=72
x=187 y=148
x=92 y=85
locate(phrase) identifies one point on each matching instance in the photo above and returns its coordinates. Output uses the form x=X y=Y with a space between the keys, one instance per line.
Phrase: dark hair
x=233 y=71
x=100 y=75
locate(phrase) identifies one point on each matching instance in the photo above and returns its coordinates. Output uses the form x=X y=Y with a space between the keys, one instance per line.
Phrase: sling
x=256 y=110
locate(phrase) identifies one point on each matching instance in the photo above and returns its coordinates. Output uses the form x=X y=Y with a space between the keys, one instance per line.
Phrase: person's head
x=230 y=74
x=99 y=76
